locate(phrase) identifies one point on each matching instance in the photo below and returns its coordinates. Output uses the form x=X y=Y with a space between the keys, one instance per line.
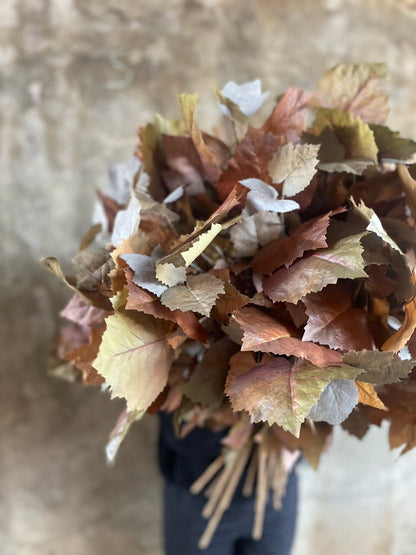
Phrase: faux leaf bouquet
x=265 y=284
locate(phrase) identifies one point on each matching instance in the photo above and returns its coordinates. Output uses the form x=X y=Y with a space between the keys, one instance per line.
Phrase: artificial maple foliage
x=267 y=286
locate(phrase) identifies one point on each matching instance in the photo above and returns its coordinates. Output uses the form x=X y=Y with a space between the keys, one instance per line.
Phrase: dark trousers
x=184 y=524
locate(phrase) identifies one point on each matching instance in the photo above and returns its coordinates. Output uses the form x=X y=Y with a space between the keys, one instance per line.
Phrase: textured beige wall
x=77 y=77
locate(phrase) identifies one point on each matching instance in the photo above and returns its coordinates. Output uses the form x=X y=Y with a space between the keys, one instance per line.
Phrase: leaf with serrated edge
x=334 y=321
x=262 y=332
x=198 y=294
x=278 y=391
x=367 y=395
x=254 y=231
x=355 y=135
x=169 y=274
x=263 y=197
x=336 y=402
x=134 y=358
x=359 y=89
x=294 y=165
x=312 y=273
x=144 y=268
x=310 y=235
x=378 y=367
x=374 y=224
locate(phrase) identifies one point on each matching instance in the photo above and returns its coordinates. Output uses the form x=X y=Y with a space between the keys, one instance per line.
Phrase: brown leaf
x=399 y=339
x=149 y=303
x=310 y=235
x=313 y=440
x=356 y=424
x=251 y=159
x=84 y=356
x=288 y=118
x=228 y=301
x=277 y=391
x=334 y=321
x=313 y=273
x=206 y=385
x=402 y=433
x=264 y=333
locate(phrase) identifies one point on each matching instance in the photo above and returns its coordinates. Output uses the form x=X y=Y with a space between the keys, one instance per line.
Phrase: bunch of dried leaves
x=266 y=285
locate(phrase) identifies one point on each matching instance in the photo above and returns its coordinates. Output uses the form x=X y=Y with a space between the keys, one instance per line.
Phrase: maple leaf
x=278 y=391
x=134 y=358
x=310 y=235
x=288 y=118
x=334 y=321
x=254 y=231
x=312 y=273
x=198 y=294
x=355 y=135
x=262 y=332
x=359 y=89
x=251 y=159
x=294 y=165
x=336 y=402
x=206 y=385
x=378 y=367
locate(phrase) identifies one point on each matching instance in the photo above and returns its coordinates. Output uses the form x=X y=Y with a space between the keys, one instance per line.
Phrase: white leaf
x=121 y=179
x=144 y=268
x=254 y=231
x=335 y=403
x=263 y=197
x=247 y=96
x=126 y=222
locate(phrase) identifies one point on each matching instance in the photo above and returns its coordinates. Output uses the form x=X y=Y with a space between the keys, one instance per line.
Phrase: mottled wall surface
x=77 y=77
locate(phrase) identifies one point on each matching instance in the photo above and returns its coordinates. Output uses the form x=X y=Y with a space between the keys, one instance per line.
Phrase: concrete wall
x=77 y=77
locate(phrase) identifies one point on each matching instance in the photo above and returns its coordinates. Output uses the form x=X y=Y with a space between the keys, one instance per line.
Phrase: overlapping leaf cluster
x=268 y=278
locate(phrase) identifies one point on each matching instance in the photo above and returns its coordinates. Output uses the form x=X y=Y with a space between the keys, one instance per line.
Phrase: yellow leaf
x=134 y=358
x=367 y=395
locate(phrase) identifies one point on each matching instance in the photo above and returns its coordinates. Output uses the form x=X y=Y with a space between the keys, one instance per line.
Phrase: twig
x=251 y=474
x=209 y=473
x=261 y=493
x=238 y=466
